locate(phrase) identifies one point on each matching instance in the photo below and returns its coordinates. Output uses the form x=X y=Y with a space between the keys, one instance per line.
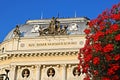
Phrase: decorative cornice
x=9 y=56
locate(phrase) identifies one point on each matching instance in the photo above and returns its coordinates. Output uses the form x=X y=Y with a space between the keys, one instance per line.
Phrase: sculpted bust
x=76 y=72
x=51 y=72
x=25 y=73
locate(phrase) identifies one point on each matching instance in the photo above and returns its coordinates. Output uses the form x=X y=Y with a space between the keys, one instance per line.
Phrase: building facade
x=44 y=49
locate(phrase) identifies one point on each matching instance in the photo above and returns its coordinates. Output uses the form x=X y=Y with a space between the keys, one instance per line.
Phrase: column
x=38 y=69
x=18 y=73
x=13 y=72
x=64 y=72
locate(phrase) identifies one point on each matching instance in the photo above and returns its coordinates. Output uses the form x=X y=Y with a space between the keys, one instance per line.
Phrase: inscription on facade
x=51 y=44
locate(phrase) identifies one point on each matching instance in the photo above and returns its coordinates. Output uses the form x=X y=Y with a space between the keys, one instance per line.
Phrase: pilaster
x=64 y=72
x=13 y=72
x=38 y=69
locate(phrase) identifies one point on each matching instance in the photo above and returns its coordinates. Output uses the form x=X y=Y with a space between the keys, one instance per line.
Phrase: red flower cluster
x=117 y=37
x=97 y=47
x=117 y=57
x=108 y=48
x=115 y=16
x=114 y=27
x=108 y=57
x=96 y=60
x=87 y=31
x=95 y=72
x=97 y=35
x=105 y=78
x=101 y=52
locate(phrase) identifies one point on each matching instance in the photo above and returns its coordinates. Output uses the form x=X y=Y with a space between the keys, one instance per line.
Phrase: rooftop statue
x=54 y=27
x=63 y=31
x=40 y=31
x=16 y=32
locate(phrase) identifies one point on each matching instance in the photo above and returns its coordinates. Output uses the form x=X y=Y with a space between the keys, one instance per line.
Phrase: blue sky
x=13 y=12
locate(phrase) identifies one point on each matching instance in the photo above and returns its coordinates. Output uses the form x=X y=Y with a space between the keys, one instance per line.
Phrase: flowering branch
x=101 y=52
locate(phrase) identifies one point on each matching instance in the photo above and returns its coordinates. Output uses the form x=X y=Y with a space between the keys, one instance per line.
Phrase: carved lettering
x=51 y=44
x=31 y=45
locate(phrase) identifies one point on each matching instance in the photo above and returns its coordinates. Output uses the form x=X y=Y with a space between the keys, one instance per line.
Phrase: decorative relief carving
x=51 y=72
x=25 y=73
x=76 y=72
x=81 y=42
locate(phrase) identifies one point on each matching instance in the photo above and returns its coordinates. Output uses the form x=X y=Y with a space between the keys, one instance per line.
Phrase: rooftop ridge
x=59 y=19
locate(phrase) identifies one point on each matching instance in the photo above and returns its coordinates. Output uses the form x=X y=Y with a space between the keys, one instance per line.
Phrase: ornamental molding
x=46 y=63
x=10 y=55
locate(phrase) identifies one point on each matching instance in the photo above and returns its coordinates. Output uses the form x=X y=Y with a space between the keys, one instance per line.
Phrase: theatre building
x=45 y=49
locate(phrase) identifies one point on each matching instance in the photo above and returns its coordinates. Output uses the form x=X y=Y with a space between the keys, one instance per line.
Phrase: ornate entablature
x=43 y=50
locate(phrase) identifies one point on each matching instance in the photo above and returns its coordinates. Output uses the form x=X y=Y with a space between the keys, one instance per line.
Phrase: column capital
x=19 y=67
x=69 y=65
x=64 y=65
x=33 y=67
x=44 y=66
x=58 y=66
x=12 y=66
x=37 y=65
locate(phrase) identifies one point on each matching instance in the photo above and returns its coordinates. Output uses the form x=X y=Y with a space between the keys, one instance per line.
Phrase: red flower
x=105 y=78
x=92 y=23
x=116 y=77
x=96 y=72
x=97 y=47
x=97 y=35
x=117 y=57
x=87 y=31
x=115 y=16
x=110 y=71
x=102 y=27
x=109 y=31
x=85 y=68
x=88 y=58
x=115 y=67
x=87 y=78
x=87 y=42
x=108 y=57
x=114 y=27
x=117 y=37
x=96 y=60
x=108 y=48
